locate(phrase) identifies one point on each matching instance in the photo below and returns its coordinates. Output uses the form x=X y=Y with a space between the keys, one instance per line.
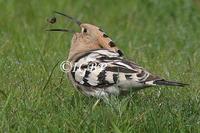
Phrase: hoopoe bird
x=98 y=66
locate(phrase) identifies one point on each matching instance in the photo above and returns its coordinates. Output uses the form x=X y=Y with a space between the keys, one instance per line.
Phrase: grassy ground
x=163 y=36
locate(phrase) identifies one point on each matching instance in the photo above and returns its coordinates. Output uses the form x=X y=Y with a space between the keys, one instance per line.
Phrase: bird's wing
x=104 y=68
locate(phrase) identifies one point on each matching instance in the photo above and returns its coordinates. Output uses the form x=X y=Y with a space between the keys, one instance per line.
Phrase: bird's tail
x=169 y=83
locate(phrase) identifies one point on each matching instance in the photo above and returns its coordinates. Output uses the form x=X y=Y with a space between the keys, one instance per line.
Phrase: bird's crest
x=91 y=37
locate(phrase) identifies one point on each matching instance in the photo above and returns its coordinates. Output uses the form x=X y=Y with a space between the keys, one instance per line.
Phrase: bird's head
x=89 y=38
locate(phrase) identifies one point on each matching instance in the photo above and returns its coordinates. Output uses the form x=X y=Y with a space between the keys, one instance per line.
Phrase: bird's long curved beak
x=69 y=17
x=62 y=30
x=53 y=20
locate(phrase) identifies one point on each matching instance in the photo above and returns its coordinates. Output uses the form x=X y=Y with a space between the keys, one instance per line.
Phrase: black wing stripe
x=115 y=77
x=128 y=77
x=102 y=76
x=73 y=70
x=85 y=79
x=141 y=74
x=103 y=58
x=119 y=69
x=102 y=80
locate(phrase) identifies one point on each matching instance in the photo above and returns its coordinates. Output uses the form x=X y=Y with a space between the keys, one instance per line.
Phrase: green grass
x=163 y=36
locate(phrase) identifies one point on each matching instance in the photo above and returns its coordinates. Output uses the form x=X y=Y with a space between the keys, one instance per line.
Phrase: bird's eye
x=84 y=30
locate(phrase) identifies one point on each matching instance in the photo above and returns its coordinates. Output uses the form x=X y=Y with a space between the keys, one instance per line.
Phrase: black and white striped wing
x=103 y=68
